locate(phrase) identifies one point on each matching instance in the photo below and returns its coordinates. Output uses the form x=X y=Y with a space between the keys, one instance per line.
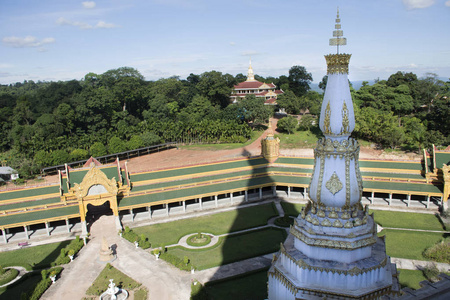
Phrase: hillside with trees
x=51 y=123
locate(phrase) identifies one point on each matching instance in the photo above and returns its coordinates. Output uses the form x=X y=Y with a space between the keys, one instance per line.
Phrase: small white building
x=8 y=173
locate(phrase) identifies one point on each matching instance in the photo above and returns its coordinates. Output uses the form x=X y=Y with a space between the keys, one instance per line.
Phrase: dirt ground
x=185 y=157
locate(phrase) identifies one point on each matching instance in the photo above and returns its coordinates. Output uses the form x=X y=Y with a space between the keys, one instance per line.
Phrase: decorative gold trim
x=345 y=122
x=334 y=185
x=327 y=120
x=337 y=63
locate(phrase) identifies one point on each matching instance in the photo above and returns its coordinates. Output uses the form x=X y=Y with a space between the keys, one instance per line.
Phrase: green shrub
x=439 y=252
x=176 y=261
x=2 y=271
x=431 y=272
x=40 y=288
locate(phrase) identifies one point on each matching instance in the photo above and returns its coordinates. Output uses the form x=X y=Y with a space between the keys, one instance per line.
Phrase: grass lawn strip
x=292 y=209
x=407 y=220
x=217 y=224
x=25 y=285
x=409 y=244
x=233 y=248
x=250 y=286
x=8 y=275
x=36 y=257
x=410 y=278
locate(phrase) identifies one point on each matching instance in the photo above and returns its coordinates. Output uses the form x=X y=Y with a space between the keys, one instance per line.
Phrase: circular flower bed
x=285 y=221
x=199 y=240
x=8 y=275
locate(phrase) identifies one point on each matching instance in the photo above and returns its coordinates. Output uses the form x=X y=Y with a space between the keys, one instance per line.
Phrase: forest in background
x=50 y=123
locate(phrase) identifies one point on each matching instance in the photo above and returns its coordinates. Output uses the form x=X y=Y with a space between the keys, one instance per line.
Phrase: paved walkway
x=164 y=281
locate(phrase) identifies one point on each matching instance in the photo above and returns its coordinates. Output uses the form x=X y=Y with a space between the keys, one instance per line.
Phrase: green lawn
x=298 y=139
x=410 y=278
x=409 y=244
x=37 y=257
x=221 y=223
x=233 y=248
x=249 y=287
x=228 y=146
x=292 y=209
x=396 y=219
x=25 y=285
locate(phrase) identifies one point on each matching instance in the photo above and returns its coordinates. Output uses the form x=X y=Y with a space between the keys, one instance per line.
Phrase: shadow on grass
x=244 y=246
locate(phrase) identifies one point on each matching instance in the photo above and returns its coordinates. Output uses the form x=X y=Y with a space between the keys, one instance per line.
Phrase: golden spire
x=338 y=39
x=250 y=74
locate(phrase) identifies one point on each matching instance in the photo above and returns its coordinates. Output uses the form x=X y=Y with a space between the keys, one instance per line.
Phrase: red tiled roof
x=270 y=101
x=252 y=85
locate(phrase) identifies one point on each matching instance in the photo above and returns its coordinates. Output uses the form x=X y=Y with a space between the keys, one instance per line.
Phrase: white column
x=409 y=200
x=390 y=198
x=428 y=201
x=216 y=200
x=46 y=227
x=26 y=232
x=84 y=230
x=371 y=198
x=304 y=193
x=201 y=203
x=184 y=206
x=149 y=212
x=246 y=196
x=4 y=236
x=167 y=209
x=67 y=225
x=289 y=192
x=260 y=193
x=132 y=216
x=231 y=198
x=274 y=190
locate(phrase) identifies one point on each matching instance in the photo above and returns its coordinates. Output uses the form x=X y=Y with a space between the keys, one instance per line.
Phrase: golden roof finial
x=250 y=74
x=338 y=39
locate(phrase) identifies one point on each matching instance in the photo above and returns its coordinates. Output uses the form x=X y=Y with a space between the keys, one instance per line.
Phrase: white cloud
x=88 y=4
x=102 y=24
x=233 y=43
x=413 y=4
x=447 y=3
x=26 y=42
x=82 y=25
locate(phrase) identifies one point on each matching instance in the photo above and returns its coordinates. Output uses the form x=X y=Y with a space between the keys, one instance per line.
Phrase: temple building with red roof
x=260 y=89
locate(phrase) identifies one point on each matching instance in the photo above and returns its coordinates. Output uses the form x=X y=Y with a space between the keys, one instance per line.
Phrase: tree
x=254 y=110
x=98 y=149
x=290 y=102
x=323 y=83
x=150 y=138
x=116 y=145
x=288 y=124
x=215 y=86
x=299 y=80
x=306 y=122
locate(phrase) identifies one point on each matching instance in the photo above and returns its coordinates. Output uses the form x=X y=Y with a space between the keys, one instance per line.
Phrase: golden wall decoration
x=337 y=63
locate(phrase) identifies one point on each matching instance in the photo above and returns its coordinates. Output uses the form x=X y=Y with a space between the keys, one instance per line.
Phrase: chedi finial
x=338 y=34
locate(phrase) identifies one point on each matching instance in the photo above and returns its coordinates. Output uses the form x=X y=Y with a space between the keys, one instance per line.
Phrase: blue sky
x=53 y=40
